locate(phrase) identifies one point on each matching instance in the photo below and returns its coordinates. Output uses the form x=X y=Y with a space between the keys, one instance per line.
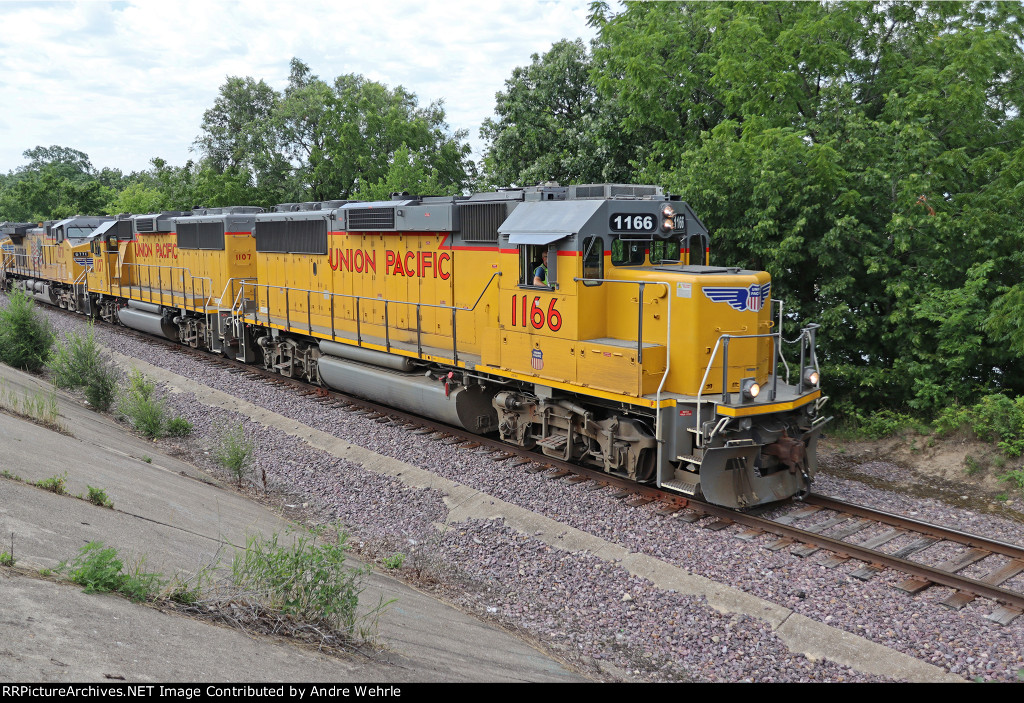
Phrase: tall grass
x=139 y=404
x=306 y=579
x=235 y=452
x=78 y=361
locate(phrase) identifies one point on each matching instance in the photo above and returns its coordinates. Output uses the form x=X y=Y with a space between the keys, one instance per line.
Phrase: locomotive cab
x=672 y=354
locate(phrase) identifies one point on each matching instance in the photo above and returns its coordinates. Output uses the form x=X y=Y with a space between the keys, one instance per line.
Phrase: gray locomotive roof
x=546 y=221
x=73 y=226
x=83 y=220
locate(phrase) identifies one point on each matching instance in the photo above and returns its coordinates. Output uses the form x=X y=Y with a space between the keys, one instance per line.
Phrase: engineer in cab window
x=540 y=274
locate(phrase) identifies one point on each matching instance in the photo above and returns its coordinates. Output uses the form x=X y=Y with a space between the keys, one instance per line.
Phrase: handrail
x=806 y=336
x=205 y=289
x=238 y=296
x=640 y=341
x=462 y=308
x=387 y=327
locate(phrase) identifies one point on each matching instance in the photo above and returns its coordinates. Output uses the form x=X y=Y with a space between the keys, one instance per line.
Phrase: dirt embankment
x=957 y=469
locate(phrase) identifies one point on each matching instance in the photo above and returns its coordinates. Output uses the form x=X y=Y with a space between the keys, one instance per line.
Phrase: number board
x=632 y=222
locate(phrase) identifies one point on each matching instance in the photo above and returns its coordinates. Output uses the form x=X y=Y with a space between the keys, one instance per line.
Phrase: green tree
x=64 y=161
x=321 y=141
x=868 y=155
x=408 y=173
x=241 y=134
x=551 y=124
x=50 y=194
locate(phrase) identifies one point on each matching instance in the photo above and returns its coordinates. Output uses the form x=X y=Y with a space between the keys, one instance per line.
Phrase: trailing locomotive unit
x=50 y=261
x=174 y=274
x=583 y=321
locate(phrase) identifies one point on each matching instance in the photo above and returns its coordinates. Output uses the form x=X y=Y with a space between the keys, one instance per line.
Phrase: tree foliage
x=552 y=125
x=318 y=141
x=868 y=155
x=56 y=182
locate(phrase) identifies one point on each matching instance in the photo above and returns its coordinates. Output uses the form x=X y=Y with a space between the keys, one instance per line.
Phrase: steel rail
x=927 y=528
x=870 y=556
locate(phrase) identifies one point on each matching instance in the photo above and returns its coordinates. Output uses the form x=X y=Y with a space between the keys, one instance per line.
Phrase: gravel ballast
x=591 y=612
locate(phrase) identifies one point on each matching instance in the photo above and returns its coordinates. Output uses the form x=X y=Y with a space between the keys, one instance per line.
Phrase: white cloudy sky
x=127 y=81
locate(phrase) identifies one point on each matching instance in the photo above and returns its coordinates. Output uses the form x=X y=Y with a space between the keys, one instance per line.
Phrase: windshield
x=628 y=253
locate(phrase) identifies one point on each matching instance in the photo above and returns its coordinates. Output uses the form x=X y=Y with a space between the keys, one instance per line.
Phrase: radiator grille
x=201 y=235
x=479 y=222
x=292 y=237
x=372 y=219
x=635 y=191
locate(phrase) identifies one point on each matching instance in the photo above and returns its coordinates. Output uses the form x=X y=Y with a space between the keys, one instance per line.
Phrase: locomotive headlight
x=668 y=211
x=811 y=376
x=667 y=225
x=749 y=388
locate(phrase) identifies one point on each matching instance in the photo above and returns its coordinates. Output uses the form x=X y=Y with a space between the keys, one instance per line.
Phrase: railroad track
x=818 y=523
x=846 y=531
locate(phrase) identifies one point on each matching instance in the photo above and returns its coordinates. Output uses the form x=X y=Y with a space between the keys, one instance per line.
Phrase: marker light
x=811 y=376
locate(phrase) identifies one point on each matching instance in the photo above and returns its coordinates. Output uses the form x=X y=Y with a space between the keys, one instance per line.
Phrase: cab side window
x=536 y=266
x=593 y=260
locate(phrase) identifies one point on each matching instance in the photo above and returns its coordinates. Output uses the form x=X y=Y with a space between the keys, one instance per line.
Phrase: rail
x=242 y=299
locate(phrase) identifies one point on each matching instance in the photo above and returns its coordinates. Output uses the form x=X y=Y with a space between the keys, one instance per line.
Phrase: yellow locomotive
x=583 y=321
x=50 y=261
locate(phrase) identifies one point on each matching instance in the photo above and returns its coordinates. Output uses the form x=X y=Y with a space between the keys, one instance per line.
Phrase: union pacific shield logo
x=537 y=359
x=741 y=299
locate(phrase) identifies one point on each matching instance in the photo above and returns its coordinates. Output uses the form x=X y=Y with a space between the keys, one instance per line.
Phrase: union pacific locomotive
x=627 y=351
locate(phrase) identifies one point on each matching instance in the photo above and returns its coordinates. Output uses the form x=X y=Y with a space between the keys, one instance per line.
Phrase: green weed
x=304 y=579
x=235 y=452
x=857 y=424
x=148 y=459
x=100 y=570
x=995 y=418
x=394 y=561
x=101 y=388
x=14 y=477
x=97 y=496
x=146 y=412
x=75 y=359
x=189 y=591
x=55 y=484
x=7 y=559
x=1015 y=478
x=138 y=404
x=179 y=427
